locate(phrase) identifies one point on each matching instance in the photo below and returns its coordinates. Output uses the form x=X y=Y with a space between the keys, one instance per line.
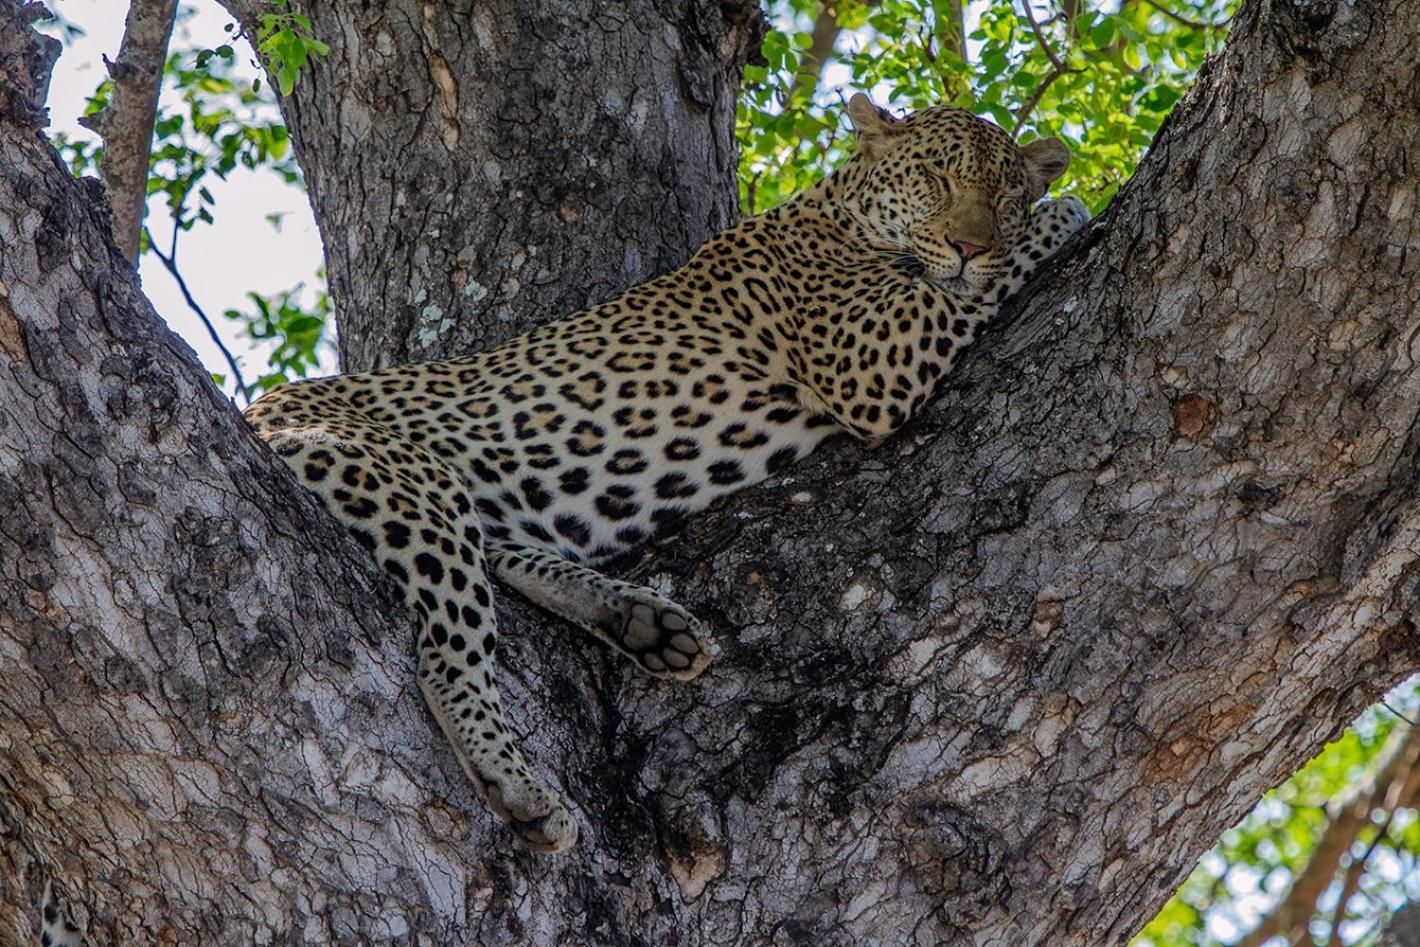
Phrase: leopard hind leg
x=414 y=514
x=657 y=634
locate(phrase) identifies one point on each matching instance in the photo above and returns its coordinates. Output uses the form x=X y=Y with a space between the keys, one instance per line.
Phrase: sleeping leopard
x=536 y=461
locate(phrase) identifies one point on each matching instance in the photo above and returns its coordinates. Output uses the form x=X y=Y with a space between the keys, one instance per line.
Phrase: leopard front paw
x=1069 y=212
x=663 y=638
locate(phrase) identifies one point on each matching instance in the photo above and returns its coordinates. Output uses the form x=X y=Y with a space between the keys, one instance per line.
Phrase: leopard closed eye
x=837 y=312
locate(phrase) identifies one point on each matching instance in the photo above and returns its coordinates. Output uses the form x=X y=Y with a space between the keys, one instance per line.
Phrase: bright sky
x=223 y=261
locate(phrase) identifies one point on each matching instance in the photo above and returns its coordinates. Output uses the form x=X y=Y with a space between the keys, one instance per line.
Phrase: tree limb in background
x=1057 y=69
x=824 y=36
x=949 y=34
x=951 y=27
x=126 y=123
x=1071 y=10
x=1294 y=912
x=1400 y=793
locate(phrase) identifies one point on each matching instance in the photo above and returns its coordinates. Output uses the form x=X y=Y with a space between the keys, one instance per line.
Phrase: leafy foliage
x=297 y=331
x=1103 y=76
x=226 y=122
x=286 y=42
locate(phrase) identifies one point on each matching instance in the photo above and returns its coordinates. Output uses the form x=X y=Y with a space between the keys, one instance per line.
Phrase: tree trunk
x=998 y=682
x=477 y=169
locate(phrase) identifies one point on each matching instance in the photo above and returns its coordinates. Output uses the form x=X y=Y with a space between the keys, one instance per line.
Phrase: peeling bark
x=998 y=682
x=126 y=123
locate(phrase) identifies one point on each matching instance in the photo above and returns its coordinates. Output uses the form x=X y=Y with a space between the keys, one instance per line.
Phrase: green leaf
x=1103 y=34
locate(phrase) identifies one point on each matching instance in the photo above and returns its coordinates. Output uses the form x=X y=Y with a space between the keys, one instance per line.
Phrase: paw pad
x=662 y=637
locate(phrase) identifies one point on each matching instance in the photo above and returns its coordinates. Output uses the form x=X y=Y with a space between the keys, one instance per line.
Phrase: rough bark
x=166 y=596
x=1404 y=929
x=479 y=168
x=126 y=123
x=25 y=63
x=998 y=683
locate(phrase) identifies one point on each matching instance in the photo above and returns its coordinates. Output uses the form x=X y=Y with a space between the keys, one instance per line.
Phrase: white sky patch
x=222 y=261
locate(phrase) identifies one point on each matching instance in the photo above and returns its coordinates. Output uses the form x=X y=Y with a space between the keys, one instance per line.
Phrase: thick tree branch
x=126 y=123
x=596 y=167
x=998 y=682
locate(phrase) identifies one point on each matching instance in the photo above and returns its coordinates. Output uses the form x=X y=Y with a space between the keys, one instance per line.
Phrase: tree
x=1000 y=681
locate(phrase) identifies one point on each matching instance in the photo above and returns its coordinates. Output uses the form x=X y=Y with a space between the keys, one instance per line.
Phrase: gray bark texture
x=998 y=682
x=1404 y=929
x=477 y=169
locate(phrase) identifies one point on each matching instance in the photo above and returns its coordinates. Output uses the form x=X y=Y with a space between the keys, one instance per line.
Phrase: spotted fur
x=534 y=462
x=56 y=928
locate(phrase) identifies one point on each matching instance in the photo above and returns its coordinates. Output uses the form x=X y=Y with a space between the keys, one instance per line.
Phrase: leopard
x=540 y=460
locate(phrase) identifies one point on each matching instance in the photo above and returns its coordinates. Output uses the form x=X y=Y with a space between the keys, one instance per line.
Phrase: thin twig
x=1040 y=39
x=1058 y=69
x=171 y=266
x=1391 y=707
x=1191 y=24
x=1024 y=112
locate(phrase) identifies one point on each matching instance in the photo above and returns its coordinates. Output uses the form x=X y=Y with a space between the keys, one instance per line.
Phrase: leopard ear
x=1046 y=160
x=876 y=128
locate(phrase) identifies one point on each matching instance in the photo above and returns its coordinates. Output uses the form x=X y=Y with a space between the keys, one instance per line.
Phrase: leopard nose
x=968 y=250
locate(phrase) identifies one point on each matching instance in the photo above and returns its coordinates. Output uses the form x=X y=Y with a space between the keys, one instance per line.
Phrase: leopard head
x=945 y=188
